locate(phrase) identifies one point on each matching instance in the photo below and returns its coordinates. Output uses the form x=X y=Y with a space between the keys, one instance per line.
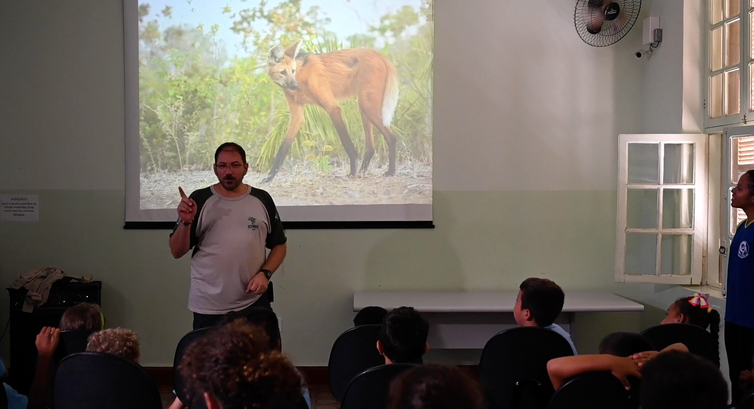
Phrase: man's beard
x=230 y=183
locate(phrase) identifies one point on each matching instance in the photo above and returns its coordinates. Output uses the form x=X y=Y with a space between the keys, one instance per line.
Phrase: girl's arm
x=564 y=368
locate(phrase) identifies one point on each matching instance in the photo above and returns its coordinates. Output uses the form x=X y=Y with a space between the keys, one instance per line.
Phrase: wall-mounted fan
x=603 y=22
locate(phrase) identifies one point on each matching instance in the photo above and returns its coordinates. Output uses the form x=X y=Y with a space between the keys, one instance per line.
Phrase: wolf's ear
x=275 y=55
x=292 y=49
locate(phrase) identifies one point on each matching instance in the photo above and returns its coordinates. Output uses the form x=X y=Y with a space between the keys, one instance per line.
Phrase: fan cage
x=612 y=30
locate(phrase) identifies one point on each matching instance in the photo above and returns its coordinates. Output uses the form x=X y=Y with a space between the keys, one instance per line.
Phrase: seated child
x=435 y=387
x=538 y=303
x=696 y=310
x=117 y=341
x=369 y=315
x=265 y=319
x=403 y=337
x=232 y=367
x=82 y=316
x=676 y=379
x=622 y=353
x=46 y=342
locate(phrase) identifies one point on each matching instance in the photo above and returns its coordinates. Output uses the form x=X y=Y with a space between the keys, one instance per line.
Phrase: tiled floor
x=320 y=394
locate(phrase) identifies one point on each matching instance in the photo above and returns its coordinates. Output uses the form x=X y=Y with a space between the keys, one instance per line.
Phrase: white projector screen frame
x=313 y=188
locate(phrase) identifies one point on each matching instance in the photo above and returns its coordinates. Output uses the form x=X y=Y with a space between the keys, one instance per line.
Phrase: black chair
x=178 y=382
x=74 y=341
x=94 y=380
x=3 y=397
x=596 y=390
x=697 y=340
x=747 y=402
x=513 y=367
x=369 y=389
x=352 y=353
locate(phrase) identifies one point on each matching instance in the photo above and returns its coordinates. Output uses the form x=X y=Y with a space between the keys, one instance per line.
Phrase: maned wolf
x=324 y=79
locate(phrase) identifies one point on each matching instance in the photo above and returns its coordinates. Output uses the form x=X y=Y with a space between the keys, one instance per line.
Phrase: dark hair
x=369 y=315
x=676 y=379
x=82 y=316
x=234 y=365
x=750 y=173
x=262 y=317
x=543 y=298
x=232 y=147
x=625 y=344
x=700 y=316
x=404 y=335
x=435 y=387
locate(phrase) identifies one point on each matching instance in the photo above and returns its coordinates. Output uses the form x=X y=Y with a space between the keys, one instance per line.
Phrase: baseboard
x=313 y=375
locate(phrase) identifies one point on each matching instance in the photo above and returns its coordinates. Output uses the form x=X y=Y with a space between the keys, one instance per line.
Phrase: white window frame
x=726 y=178
x=700 y=218
x=744 y=67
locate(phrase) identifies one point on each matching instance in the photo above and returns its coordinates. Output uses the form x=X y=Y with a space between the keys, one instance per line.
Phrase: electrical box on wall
x=649 y=26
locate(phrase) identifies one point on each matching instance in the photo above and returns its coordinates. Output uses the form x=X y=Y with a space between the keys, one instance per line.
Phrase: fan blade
x=594 y=20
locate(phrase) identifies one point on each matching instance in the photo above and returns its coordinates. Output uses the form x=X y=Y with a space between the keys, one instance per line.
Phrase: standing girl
x=739 y=311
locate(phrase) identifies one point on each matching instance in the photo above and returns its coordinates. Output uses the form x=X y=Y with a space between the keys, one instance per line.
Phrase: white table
x=466 y=320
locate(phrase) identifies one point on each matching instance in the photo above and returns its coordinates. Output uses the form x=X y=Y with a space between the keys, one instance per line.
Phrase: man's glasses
x=233 y=166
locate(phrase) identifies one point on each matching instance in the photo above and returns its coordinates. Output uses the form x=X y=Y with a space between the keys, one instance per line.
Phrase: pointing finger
x=183 y=194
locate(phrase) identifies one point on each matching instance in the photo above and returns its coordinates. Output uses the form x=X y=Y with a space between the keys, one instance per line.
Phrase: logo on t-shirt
x=743 y=250
x=253 y=225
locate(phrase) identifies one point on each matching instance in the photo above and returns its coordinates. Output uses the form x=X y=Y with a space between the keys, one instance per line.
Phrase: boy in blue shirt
x=538 y=303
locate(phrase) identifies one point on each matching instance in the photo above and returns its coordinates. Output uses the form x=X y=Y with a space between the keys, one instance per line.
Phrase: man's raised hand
x=187 y=208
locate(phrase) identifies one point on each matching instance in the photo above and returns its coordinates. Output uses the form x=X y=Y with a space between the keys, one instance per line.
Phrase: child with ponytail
x=696 y=310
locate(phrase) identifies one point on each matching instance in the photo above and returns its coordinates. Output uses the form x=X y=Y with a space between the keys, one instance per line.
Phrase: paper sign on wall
x=19 y=208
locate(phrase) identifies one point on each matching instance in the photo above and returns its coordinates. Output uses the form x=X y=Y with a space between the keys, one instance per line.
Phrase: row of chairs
x=512 y=368
x=357 y=376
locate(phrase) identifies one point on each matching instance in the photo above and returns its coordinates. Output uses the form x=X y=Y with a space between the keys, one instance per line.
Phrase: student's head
x=677 y=379
x=264 y=318
x=625 y=344
x=117 y=341
x=742 y=195
x=403 y=337
x=694 y=310
x=538 y=303
x=233 y=367
x=369 y=315
x=435 y=387
x=82 y=316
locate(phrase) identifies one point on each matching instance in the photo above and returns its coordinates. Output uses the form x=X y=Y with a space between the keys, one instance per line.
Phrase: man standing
x=228 y=225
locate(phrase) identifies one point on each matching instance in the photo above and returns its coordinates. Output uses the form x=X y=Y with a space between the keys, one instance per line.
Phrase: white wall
x=526 y=125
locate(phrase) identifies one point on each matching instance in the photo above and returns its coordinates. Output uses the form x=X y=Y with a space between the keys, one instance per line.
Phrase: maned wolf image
x=323 y=80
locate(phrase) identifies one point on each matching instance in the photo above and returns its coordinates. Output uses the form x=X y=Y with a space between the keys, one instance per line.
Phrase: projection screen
x=309 y=88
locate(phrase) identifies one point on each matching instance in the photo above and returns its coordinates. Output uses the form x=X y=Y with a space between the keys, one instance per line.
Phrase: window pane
x=716 y=11
x=716 y=49
x=716 y=96
x=751 y=80
x=732 y=8
x=675 y=255
x=679 y=163
x=751 y=34
x=643 y=163
x=732 y=43
x=641 y=209
x=677 y=208
x=742 y=157
x=732 y=92
x=641 y=254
